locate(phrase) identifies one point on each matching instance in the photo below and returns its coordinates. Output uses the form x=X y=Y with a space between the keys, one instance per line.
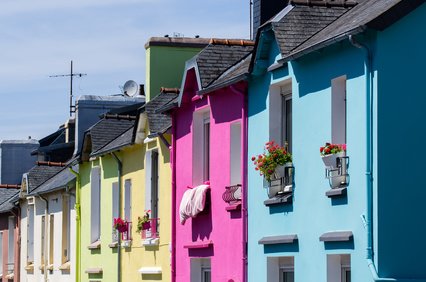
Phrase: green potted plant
x=144 y=222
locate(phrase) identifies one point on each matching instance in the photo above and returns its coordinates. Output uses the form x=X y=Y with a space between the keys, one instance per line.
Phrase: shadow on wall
x=202 y=224
x=281 y=248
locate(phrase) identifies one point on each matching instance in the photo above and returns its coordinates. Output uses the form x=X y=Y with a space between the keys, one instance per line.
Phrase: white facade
x=60 y=266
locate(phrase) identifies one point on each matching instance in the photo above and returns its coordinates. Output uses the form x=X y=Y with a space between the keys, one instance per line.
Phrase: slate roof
x=6 y=195
x=59 y=181
x=122 y=140
x=234 y=74
x=106 y=130
x=40 y=174
x=158 y=121
x=375 y=14
x=215 y=59
x=301 y=23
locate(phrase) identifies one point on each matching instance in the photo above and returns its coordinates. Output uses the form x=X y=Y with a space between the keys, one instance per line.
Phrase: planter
x=337 y=180
x=330 y=161
x=146 y=225
x=277 y=182
x=122 y=228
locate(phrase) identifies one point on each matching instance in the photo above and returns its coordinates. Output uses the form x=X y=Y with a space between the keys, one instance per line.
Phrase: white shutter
x=115 y=211
x=338 y=110
x=235 y=153
x=30 y=234
x=95 y=204
x=148 y=175
x=128 y=200
x=11 y=243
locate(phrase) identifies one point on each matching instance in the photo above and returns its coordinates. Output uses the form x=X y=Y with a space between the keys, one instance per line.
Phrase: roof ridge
x=231 y=42
x=325 y=3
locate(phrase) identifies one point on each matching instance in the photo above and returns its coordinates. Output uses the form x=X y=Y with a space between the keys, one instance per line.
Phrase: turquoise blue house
x=344 y=72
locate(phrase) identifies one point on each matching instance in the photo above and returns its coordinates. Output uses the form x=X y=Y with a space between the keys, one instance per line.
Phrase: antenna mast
x=71 y=75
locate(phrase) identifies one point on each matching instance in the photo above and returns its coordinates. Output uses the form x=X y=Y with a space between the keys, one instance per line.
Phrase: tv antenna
x=71 y=75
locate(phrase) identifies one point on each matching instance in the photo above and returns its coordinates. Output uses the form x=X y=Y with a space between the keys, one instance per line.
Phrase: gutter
x=78 y=223
x=368 y=217
x=46 y=202
x=119 y=172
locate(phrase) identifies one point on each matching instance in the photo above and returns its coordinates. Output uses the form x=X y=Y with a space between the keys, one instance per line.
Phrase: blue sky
x=104 y=38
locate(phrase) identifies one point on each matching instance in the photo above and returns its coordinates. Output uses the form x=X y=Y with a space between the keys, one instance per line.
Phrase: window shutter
x=128 y=200
x=30 y=234
x=148 y=170
x=338 y=110
x=11 y=247
x=95 y=204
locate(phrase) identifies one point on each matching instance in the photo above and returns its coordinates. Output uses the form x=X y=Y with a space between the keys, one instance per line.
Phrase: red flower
x=321 y=149
x=253 y=158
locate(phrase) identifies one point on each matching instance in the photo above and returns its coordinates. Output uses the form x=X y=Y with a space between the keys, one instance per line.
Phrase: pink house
x=209 y=129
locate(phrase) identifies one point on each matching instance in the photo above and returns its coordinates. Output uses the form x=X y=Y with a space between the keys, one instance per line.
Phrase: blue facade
x=398 y=57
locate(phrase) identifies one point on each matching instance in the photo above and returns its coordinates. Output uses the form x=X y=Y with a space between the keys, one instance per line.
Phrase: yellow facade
x=137 y=256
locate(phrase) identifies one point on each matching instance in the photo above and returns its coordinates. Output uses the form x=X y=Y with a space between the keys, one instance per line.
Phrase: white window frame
x=337 y=266
x=286 y=130
x=201 y=146
x=284 y=270
x=66 y=228
x=95 y=223
x=276 y=266
x=115 y=212
x=278 y=94
x=345 y=270
x=204 y=272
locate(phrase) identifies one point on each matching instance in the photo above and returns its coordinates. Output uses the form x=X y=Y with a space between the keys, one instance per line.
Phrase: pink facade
x=7 y=220
x=212 y=241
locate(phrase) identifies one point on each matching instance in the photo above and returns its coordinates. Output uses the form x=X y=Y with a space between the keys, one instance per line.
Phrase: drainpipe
x=46 y=202
x=119 y=172
x=368 y=218
x=244 y=187
x=173 y=164
x=78 y=223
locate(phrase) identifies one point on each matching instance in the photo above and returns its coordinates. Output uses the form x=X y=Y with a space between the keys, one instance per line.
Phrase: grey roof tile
x=59 y=181
x=159 y=121
x=215 y=59
x=40 y=174
x=6 y=195
x=124 y=139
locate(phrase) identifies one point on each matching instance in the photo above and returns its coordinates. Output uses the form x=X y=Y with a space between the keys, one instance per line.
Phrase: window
x=128 y=200
x=95 y=181
x=280 y=115
x=280 y=269
x=11 y=241
x=339 y=268
x=66 y=228
x=151 y=187
x=286 y=116
x=200 y=270
x=115 y=211
x=201 y=147
x=51 y=237
x=30 y=234
x=43 y=240
x=235 y=153
x=206 y=147
x=338 y=110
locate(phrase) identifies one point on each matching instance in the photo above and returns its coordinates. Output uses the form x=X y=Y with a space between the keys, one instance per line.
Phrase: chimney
x=263 y=10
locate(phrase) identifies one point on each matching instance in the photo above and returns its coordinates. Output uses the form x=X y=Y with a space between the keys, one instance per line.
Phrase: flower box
x=330 y=161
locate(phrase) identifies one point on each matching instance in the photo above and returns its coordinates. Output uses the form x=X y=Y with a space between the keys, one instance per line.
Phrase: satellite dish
x=131 y=88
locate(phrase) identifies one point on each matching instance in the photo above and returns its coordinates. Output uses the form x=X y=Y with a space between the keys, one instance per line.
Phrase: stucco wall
x=312 y=213
x=222 y=227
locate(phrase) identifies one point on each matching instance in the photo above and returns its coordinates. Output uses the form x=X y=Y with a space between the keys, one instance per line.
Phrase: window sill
x=198 y=245
x=95 y=270
x=277 y=200
x=65 y=266
x=113 y=245
x=150 y=242
x=126 y=244
x=30 y=267
x=336 y=192
x=95 y=245
x=233 y=207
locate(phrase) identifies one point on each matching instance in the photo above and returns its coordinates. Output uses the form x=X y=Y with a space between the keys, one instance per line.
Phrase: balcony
x=232 y=196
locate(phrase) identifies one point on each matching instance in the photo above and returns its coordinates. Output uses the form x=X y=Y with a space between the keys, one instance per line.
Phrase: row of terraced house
x=165 y=186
